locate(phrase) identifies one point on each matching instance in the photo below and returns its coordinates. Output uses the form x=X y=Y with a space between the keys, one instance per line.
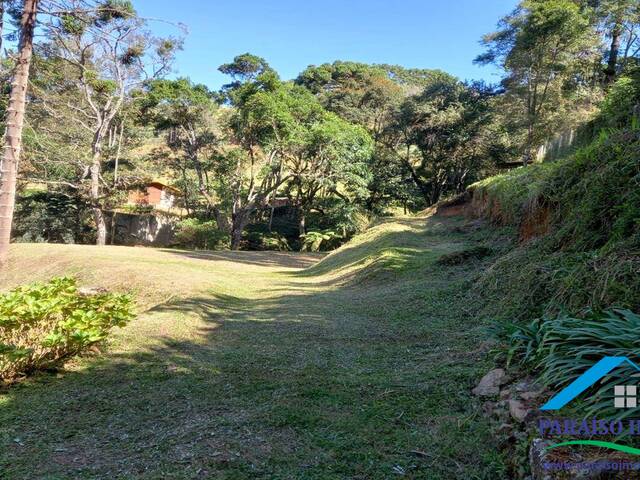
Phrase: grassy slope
x=358 y=367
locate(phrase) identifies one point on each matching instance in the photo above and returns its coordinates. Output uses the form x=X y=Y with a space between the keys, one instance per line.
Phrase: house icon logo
x=625 y=396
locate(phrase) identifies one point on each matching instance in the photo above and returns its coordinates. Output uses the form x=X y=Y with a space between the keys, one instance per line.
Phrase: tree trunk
x=302 y=223
x=238 y=222
x=422 y=186
x=1 y=24
x=236 y=238
x=528 y=152
x=98 y=214
x=14 y=123
x=610 y=71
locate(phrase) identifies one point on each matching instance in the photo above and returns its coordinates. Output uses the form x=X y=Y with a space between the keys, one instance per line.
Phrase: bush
x=321 y=241
x=52 y=217
x=620 y=103
x=198 y=234
x=266 y=241
x=464 y=256
x=43 y=324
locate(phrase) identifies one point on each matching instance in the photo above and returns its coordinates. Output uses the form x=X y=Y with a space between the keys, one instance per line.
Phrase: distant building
x=156 y=194
x=149 y=217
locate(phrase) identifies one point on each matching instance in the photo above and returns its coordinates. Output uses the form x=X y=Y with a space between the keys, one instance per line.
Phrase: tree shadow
x=302 y=381
x=262 y=259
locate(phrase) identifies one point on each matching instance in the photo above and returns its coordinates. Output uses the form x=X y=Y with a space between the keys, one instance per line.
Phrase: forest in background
x=338 y=145
x=547 y=279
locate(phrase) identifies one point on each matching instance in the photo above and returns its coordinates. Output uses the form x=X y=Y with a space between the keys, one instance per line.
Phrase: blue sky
x=292 y=34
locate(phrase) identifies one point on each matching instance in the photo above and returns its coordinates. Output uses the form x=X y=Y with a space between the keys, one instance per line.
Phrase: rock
x=526 y=385
x=529 y=395
x=518 y=410
x=504 y=394
x=504 y=427
x=490 y=384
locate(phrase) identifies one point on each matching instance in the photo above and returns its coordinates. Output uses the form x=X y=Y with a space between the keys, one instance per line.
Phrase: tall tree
x=14 y=124
x=441 y=139
x=107 y=53
x=1 y=25
x=186 y=114
x=537 y=45
x=619 y=21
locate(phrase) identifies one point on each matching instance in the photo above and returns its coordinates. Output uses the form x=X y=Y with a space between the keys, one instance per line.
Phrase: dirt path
x=359 y=368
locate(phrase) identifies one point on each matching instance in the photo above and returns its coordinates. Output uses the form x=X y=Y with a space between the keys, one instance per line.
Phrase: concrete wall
x=557 y=146
x=154 y=229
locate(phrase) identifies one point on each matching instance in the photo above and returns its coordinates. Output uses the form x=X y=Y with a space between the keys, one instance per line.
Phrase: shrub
x=198 y=234
x=52 y=217
x=43 y=324
x=320 y=241
x=266 y=241
x=621 y=102
x=347 y=218
x=464 y=256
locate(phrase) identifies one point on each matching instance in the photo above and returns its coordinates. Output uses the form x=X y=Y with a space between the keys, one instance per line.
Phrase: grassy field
x=265 y=365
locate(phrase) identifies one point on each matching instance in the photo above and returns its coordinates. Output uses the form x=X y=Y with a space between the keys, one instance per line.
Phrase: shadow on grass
x=324 y=384
x=262 y=259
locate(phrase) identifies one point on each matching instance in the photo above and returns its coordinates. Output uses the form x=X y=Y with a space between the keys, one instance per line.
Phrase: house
x=150 y=216
x=156 y=194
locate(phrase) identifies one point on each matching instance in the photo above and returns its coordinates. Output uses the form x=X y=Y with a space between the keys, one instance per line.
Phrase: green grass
x=590 y=256
x=246 y=365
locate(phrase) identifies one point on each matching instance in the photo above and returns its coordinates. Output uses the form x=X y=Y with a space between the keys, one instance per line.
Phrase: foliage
x=547 y=49
x=43 y=216
x=316 y=241
x=346 y=218
x=442 y=143
x=563 y=347
x=257 y=240
x=43 y=324
x=282 y=138
x=621 y=102
x=92 y=58
x=199 y=234
x=589 y=258
x=370 y=95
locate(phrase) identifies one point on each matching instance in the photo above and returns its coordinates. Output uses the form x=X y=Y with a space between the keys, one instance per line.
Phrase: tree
x=185 y=113
x=537 y=45
x=1 y=24
x=106 y=52
x=441 y=139
x=270 y=135
x=319 y=153
x=370 y=96
x=619 y=20
x=14 y=125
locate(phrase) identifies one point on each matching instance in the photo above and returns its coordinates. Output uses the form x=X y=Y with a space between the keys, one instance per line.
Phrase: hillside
x=248 y=364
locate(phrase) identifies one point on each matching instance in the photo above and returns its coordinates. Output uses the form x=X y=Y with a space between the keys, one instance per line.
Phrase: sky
x=292 y=34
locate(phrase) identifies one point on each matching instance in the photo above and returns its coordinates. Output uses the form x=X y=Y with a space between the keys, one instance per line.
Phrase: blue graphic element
x=584 y=381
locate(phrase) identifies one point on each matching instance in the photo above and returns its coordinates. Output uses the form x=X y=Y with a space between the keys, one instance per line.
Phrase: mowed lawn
x=265 y=365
